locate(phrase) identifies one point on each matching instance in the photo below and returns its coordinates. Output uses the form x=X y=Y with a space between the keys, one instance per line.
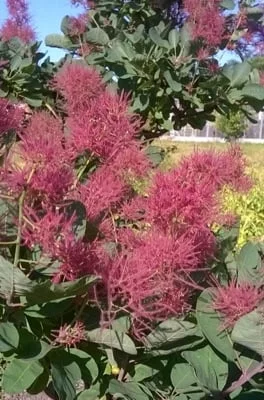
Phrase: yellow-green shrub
x=249 y=208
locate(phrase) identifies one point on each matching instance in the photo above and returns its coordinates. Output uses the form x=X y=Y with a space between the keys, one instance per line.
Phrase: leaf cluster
x=139 y=51
x=25 y=74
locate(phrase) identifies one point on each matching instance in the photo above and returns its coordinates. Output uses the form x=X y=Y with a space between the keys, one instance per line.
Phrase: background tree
x=232 y=125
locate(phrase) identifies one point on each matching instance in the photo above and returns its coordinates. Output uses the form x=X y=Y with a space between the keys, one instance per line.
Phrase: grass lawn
x=253 y=152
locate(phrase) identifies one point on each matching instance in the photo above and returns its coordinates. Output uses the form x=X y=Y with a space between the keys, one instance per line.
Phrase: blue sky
x=46 y=18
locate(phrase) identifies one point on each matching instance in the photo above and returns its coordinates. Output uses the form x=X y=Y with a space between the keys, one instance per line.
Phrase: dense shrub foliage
x=114 y=283
x=165 y=54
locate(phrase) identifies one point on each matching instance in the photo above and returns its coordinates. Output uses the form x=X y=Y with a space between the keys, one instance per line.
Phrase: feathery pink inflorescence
x=235 y=300
x=217 y=168
x=152 y=280
x=18 y=22
x=54 y=234
x=77 y=25
x=76 y=259
x=98 y=120
x=176 y=203
x=11 y=116
x=186 y=196
x=45 y=228
x=45 y=164
x=132 y=160
x=52 y=182
x=147 y=249
x=105 y=128
x=205 y=20
x=79 y=86
x=102 y=192
x=43 y=139
x=68 y=335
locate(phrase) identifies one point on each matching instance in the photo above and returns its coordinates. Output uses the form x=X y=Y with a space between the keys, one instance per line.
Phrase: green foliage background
x=140 y=52
x=232 y=126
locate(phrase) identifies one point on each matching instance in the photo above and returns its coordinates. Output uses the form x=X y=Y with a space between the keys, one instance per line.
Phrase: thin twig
x=81 y=171
x=8 y=243
x=19 y=228
x=19 y=233
x=5 y=196
x=244 y=378
x=79 y=313
x=51 y=110
x=21 y=260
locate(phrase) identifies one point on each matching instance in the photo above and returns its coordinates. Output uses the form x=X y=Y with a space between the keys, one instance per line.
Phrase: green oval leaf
x=253 y=90
x=128 y=390
x=40 y=384
x=66 y=25
x=20 y=375
x=210 y=369
x=155 y=37
x=60 y=41
x=210 y=324
x=112 y=339
x=86 y=363
x=182 y=376
x=98 y=36
x=9 y=337
x=175 y=86
x=228 y=4
x=15 y=63
x=237 y=74
x=32 y=348
x=65 y=374
x=170 y=331
x=249 y=331
x=249 y=263
x=174 y=38
x=34 y=102
x=93 y=393
x=147 y=370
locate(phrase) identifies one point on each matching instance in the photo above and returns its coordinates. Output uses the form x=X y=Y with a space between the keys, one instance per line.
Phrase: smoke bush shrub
x=87 y=247
x=150 y=276
x=113 y=283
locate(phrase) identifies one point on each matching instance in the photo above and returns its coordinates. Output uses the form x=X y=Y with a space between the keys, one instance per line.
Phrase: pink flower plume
x=11 y=116
x=206 y=20
x=45 y=164
x=105 y=128
x=235 y=300
x=78 y=84
x=18 y=22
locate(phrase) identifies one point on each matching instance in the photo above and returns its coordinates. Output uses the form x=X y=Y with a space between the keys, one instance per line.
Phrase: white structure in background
x=253 y=134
